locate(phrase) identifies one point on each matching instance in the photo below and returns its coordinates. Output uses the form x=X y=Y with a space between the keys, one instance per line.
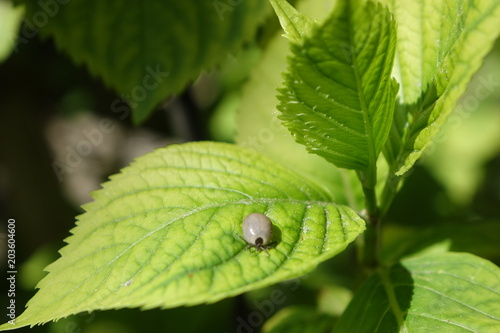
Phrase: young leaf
x=167 y=232
x=440 y=46
x=339 y=97
x=296 y=25
x=447 y=292
x=147 y=50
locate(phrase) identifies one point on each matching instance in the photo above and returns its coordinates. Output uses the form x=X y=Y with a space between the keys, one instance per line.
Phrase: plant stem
x=389 y=192
x=373 y=216
x=370 y=202
x=370 y=250
x=372 y=233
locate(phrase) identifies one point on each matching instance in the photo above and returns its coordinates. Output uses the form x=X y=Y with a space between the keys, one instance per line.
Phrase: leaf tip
x=295 y=24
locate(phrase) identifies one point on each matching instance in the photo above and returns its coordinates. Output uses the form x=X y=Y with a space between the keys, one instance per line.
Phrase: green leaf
x=166 y=232
x=471 y=131
x=448 y=292
x=10 y=22
x=149 y=50
x=440 y=46
x=296 y=25
x=339 y=97
x=426 y=32
x=299 y=319
x=260 y=129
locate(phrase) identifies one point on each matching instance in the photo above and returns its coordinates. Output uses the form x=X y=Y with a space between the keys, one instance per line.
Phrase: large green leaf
x=147 y=50
x=440 y=46
x=260 y=129
x=167 y=232
x=339 y=97
x=445 y=292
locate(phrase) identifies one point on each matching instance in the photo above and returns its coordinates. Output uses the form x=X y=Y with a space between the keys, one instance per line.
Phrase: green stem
x=374 y=214
x=370 y=202
x=372 y=233
x=389 y=192
x=370 y=250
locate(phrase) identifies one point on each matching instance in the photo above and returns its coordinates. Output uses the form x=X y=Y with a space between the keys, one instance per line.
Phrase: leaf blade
x=260 y=129
x=166 y=232
x=349 y=58
x=437 y=56
x=149 y=51
x=456 y=292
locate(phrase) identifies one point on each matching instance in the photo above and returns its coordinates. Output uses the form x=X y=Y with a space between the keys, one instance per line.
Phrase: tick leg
x=243 y=239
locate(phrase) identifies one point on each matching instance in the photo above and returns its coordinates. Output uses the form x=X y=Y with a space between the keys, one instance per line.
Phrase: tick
x=258 y=232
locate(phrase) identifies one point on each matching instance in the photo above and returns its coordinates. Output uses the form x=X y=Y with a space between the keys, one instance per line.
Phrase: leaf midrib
x=220 y=205
x=362 y=98
x=391 y=296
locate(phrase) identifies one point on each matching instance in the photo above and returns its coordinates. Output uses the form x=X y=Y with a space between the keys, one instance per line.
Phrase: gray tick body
x=258 y=231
